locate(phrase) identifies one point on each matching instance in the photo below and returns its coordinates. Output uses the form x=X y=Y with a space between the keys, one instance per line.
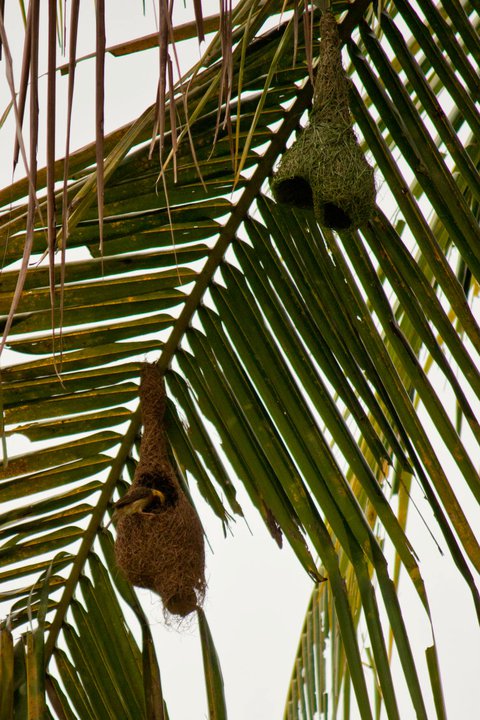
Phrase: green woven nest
x=325 y=170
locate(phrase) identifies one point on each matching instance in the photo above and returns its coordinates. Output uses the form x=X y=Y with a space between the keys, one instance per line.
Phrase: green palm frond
x=298 y=363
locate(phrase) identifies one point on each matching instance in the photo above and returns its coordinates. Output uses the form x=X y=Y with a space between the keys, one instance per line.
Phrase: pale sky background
x=257 y=594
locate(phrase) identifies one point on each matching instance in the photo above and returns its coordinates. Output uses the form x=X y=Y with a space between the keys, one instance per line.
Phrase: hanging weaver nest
x=325 y=168
x=159 y=542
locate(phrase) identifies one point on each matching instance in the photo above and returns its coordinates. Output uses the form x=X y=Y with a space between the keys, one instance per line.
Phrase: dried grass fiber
x=325 y=168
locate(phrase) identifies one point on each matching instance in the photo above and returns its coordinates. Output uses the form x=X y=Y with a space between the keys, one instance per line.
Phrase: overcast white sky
x=257 y=594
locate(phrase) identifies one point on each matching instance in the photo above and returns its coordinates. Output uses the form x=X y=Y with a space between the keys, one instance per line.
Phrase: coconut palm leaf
x=301 y=363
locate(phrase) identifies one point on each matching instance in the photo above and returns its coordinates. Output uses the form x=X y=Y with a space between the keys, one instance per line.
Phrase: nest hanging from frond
x=325 y=168
x=159 y=542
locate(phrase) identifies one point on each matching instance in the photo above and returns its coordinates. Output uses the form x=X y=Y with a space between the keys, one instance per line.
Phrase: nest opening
x=159 y=481
x=335 y=218
x=295 y=191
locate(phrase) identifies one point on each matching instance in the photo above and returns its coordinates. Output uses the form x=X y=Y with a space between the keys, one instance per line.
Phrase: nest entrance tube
x=295 y=191
x=325 y=169
x=159 y=542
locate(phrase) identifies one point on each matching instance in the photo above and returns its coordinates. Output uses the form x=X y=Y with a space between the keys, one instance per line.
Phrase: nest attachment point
x=325 y=169
x=160 y=542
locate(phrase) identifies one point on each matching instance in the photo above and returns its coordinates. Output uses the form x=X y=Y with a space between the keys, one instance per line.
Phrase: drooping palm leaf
x=294 y=355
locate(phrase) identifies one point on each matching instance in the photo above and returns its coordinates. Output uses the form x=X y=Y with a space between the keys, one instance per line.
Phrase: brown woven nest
x=325 y=169
x=159 y=542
